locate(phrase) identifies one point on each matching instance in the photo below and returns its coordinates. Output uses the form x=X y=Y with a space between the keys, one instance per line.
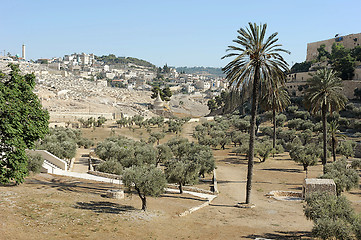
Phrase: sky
x=174 y=32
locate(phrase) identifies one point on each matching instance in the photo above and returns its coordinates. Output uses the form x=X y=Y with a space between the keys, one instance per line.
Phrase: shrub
x=110 y=166
x=357 y=125
x=346 y=148
x=333 y=217
x=345 y=178
x=35 y=161
x=292 y=109
x=302 y=114
x=295 y=123
x=317 y=127
x=307 y=125
x=280 y=120
x=267 y=131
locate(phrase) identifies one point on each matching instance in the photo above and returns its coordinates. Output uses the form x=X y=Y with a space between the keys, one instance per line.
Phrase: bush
x=110 y=166
x=307 y=125
x=280 y=120
x=35 y=162
x=287 y=135
x=292 y=109
x=317 y=127
x=346 y=148
x=357 y=125
x=302 y=114
x=333 y=217
x=267 y=131
x=295 y=123
x=345 y=178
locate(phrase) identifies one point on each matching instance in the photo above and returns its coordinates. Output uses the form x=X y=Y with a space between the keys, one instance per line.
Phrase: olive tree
x=147 y=180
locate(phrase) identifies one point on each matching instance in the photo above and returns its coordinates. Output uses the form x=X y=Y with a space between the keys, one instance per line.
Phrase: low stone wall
x=106 y=175
x=191 y=189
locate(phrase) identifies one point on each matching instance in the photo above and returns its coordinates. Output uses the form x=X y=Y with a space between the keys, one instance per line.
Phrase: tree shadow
x=283 y=235
x=288 y=170
x=104 y=207
x=234 y=160
x=177 y=195
x=72 y=186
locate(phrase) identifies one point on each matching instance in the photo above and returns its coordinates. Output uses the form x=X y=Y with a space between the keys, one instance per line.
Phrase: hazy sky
x=179 y=33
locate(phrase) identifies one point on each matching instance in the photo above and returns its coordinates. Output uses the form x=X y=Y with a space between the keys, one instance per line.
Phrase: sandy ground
x=53 y=207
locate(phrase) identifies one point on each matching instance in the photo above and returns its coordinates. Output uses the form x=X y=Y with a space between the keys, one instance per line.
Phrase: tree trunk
x=143 y=198
x=180 y=188
x=324 y=129
x=274 y=131
x=144 y=203
x=333 y=149
x=252 y=134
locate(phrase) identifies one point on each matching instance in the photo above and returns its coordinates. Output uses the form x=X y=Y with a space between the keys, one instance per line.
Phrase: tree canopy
x=257 y=63
x=22 y=122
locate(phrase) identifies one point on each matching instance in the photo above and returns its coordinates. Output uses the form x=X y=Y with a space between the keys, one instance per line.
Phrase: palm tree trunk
x=252 y=133
x=274 y=131
x=333 y=149
x=324 y=129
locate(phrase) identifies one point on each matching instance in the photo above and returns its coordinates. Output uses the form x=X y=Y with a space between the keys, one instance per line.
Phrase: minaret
x=23 y=51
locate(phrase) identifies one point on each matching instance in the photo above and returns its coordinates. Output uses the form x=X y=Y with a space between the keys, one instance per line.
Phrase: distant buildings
x=349 y=41
x=296 y=82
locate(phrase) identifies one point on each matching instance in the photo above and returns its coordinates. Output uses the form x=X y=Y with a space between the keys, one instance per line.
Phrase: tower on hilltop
x=23 y=51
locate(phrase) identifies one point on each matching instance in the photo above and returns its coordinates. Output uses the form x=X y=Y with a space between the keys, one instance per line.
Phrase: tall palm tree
x=256 y=62
x=275 y=99
x=324 y=95
x=334 y=135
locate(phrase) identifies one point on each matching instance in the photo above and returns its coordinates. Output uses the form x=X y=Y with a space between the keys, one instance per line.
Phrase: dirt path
x=187 y=131
x=81 y=161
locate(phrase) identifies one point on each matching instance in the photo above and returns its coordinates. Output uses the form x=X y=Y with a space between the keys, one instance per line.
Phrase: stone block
x=311 y=185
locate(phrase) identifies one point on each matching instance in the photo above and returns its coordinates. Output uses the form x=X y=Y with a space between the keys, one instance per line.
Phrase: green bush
x=302 y=114
x=280 y=120
x=110 y=166
x=333 y=217
x=35 y=161
x=345 y=178
x=292 y=109
x=295 y=123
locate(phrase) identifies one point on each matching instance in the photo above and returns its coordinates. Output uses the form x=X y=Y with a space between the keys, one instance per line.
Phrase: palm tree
x=256 y=62
x=334 y=135
x=276 y=99
x=324 y=95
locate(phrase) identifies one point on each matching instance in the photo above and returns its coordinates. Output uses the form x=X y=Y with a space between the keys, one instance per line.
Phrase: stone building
x=349 y=41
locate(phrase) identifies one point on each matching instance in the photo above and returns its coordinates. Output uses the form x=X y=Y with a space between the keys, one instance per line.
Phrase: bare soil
x=53 y=207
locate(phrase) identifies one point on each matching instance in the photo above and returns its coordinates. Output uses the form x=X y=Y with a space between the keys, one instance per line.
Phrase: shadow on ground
x=104 y=207
x=288 y=170
x=71 y=186
x=178 y=196
x=283 y=235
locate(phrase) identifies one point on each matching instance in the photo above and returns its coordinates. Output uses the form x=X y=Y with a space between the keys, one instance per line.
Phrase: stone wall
x=349 y=41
